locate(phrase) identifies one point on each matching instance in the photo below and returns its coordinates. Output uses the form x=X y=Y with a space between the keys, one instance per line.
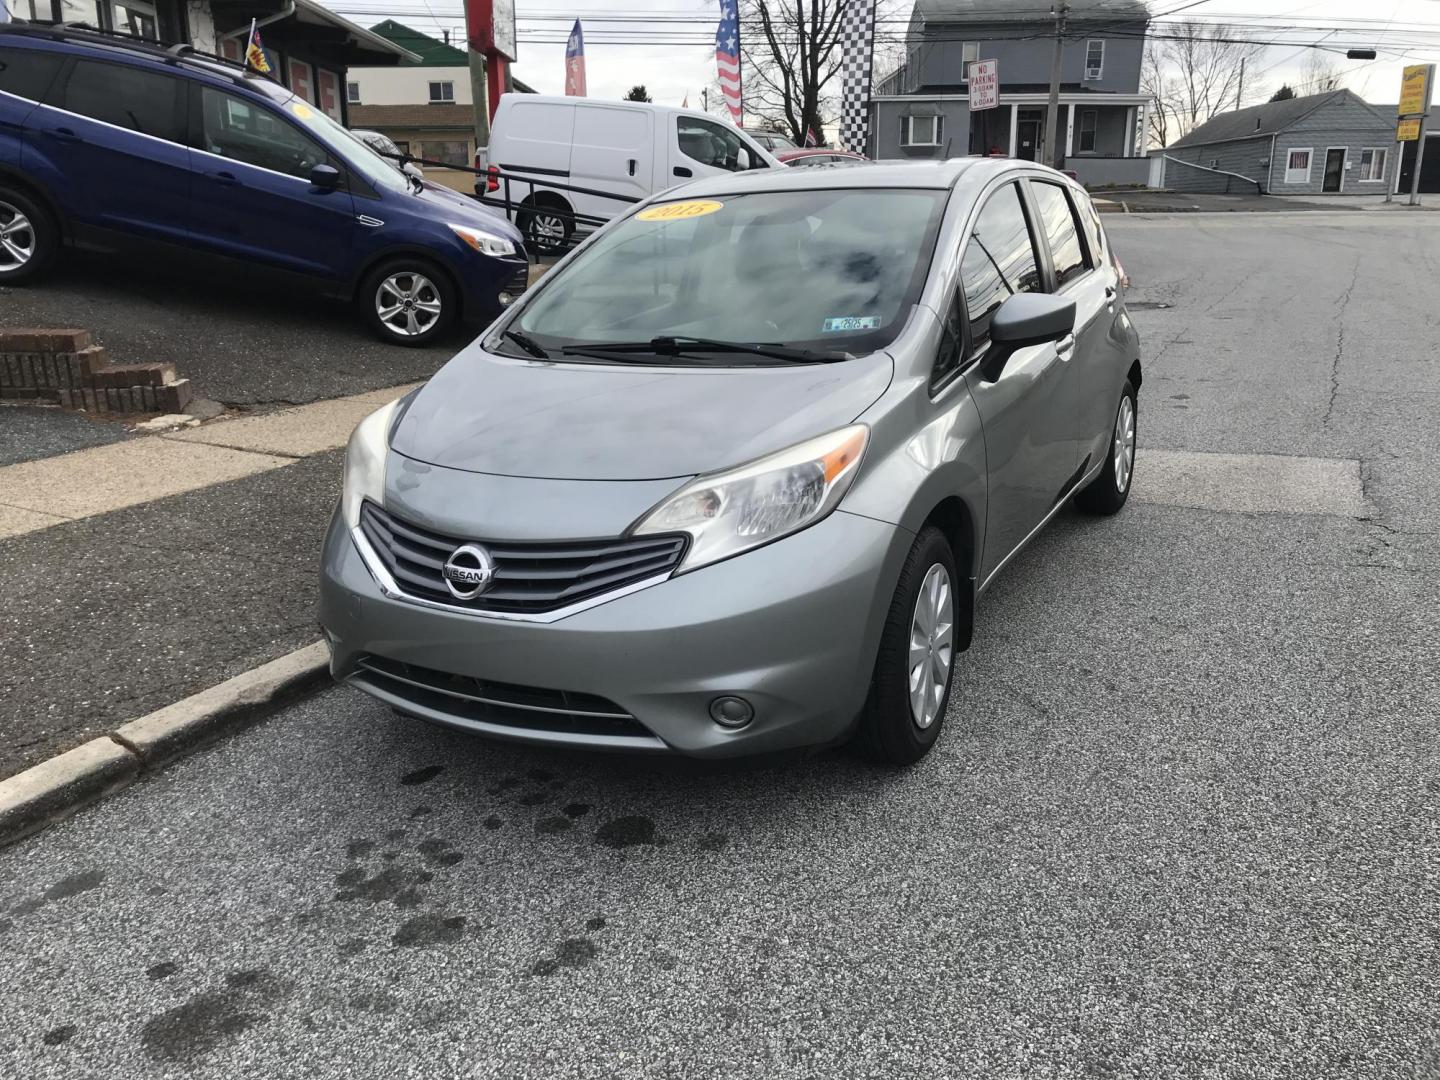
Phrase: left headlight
x=483 y=242
x=365 y=463
x=733 y=511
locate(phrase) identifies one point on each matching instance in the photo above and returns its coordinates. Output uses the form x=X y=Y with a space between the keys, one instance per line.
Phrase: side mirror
x=325 y=177
x=1032 y=319
x=1025 y=319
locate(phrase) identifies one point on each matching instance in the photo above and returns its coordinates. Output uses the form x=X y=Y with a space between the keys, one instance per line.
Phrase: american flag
x=727 y=58
x=575 y=63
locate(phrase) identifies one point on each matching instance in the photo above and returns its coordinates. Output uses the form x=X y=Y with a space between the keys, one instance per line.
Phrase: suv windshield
x=831 y=269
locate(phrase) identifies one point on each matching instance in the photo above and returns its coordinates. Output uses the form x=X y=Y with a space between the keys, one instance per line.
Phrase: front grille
x=526 y=707
x=529 y=578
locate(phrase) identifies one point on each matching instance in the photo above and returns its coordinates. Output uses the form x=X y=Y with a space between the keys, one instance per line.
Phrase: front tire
x=29 y=237
x=915 y=666
x=1107 y=493
x=408 y=302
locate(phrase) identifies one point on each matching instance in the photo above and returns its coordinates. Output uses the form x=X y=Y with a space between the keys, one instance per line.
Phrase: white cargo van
x=628 y=148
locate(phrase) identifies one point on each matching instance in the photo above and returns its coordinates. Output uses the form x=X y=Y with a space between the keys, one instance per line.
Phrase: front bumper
x=791 y=627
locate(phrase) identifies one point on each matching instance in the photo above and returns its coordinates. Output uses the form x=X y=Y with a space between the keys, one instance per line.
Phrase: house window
x=1094 y=59
x=442 y=93
x=921 y=130
x=352 y=93
x=912 y=70
x=1297 y=166
x=1372 y=165
x=450 y=152
x=134 y=18
x=1087 y=131
x=969 y=53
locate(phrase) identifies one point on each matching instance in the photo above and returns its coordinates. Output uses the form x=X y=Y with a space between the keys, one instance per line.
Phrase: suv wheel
x=408 y=302
x=28 y=237
x=910 y=690
x=1107 y=493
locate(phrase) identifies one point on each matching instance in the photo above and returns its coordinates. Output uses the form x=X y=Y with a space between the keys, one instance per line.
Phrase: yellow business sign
x=1407 y=131
x=1414 y=90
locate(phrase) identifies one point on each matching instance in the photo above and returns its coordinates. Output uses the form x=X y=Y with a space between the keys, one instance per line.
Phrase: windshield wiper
x=675 y=346
x=526 y=342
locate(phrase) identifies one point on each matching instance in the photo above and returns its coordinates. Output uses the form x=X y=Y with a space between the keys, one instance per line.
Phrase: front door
x=1334 y=170
x=702 y=147
x=1026 y=408
x=1027 y=139
x=253 y=196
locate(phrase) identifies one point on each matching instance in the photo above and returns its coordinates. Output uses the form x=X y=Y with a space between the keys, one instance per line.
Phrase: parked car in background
x=628 y=149
x=771 y=140
x=730 y=479
x=385 y=146
x=114 y=144
x=814 y=156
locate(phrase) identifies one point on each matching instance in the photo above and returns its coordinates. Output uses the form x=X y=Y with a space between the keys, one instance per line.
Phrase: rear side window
x=27 y=73
x=1094 y=236
x=127 y=97
x=1058 y=220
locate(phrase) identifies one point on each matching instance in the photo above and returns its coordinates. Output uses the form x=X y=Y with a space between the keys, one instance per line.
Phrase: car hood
x=463 y=210
x=512 y=417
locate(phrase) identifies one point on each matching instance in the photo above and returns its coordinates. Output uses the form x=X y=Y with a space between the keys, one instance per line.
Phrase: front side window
x=442 y=93
x=246 y=131
x=713 y=144
x=1297 y=166
x=833 y=269
x=1058 y=221
x=999 y=261
x=28 y=73
x=1372 y=164
x=922 y=130
x=127 y=97
x=1088 y=118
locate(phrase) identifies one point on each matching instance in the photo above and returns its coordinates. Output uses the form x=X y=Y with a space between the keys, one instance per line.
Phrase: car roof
x=940 y=175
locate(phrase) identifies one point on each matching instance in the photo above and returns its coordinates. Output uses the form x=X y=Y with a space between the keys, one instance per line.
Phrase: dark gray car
x=731 y=478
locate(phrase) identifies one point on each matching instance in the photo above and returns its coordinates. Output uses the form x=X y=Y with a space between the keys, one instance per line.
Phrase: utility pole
x=480 y=95
x=1241 y=88
x=1052 y=110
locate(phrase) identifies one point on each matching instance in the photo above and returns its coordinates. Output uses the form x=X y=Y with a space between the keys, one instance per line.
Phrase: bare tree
x=1205 y=62
x=1157 y=81
x=1321 y=74
x=790 y=54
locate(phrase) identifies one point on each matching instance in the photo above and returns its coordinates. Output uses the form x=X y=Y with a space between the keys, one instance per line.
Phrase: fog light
x=731 y=712
x=506 y=299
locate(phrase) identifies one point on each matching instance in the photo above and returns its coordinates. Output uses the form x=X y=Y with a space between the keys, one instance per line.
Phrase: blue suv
x=113 y=145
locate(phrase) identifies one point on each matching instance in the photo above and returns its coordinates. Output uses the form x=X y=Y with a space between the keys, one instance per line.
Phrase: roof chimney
x=446 y=34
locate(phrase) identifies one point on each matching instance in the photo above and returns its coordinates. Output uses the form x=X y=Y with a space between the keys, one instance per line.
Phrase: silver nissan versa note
x=731 y=478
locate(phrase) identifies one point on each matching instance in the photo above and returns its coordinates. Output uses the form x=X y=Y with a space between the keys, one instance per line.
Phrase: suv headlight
x=483 y=242
x=365 y=463
x=730 y=512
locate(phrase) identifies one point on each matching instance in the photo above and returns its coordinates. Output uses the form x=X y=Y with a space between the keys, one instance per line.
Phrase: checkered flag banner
x=857 y=58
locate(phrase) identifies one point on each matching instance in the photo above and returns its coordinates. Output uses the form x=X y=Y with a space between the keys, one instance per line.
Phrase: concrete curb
x=57 y=788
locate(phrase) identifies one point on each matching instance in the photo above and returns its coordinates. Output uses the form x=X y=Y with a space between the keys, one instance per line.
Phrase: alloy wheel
x=1124 y=450
x=547 y=231
x=932 y=645
x=408 y=303
x=17 y=238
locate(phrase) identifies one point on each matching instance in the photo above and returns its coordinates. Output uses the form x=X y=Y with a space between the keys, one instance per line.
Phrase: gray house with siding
x=922 y=109
x=1321 y=144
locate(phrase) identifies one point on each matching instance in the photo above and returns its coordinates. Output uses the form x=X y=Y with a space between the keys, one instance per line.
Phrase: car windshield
x=378 y=170
x=829 y=269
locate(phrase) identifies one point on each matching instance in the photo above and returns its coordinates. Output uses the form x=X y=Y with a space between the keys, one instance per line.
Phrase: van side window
x=1058 y=221
x=999 y=260
x=241 y=130
x=28 y=73
x=712 y=144
x=127 y=97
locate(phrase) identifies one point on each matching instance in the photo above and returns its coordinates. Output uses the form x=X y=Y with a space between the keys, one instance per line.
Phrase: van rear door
x=533 y=137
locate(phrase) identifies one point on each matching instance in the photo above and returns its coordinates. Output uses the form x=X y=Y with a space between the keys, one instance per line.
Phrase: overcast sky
x=672 y=69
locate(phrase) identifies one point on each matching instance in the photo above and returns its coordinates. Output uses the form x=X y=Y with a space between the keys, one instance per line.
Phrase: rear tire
x=908 y=692
x=1107 y=493
x=547 y=227
x=408 y=301
x=29 y=237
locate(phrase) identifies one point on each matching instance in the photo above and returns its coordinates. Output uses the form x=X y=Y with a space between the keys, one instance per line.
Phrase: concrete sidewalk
x=140 y=572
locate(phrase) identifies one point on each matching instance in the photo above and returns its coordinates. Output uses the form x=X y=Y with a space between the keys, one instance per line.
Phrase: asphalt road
x=1181 y=822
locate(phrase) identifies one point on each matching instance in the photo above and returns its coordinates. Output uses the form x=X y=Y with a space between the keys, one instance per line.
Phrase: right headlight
x=365 y=463
x=733 y=511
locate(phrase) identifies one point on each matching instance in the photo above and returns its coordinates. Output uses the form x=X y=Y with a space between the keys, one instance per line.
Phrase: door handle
x=65 y=134
x=1110 y=297
x=1065 y=347
x=681 y=170
x=226 y=179
x=632 y=166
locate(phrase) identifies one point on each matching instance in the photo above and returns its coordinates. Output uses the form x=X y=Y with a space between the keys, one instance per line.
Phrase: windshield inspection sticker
x=679 y=211
x=851 y=323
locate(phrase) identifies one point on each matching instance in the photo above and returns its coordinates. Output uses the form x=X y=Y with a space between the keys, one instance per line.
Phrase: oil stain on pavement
x=211 y=1018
